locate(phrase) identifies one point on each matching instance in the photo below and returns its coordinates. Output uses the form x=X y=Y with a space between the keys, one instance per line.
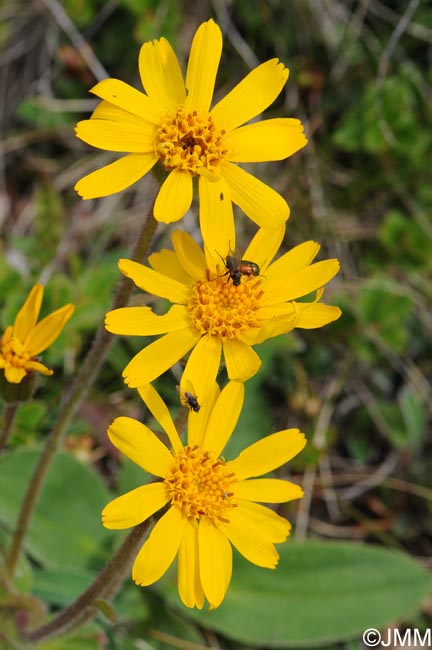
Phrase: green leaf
x=23 y=578
x=171 y=624
x=87 y=638
x=321 y=592
x=66 y=529
x=131 y=476
x=60 y=586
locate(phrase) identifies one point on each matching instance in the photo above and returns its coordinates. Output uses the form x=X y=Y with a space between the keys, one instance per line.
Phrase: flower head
x=212 y=314
x=172 y=124
x=23 y=341
x=212 y=503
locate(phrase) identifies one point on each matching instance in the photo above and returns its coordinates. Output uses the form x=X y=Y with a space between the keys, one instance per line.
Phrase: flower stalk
x=83 y=381
x=9 y=413
x=105 y=586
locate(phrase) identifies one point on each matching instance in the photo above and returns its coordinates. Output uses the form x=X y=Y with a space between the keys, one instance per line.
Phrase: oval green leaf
x=321 y=592
x=66 y=529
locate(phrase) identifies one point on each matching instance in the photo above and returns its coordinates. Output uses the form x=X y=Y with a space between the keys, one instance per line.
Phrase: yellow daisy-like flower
x=212 y=314
x=173 y=124
x=213 y=503
x=25 y=339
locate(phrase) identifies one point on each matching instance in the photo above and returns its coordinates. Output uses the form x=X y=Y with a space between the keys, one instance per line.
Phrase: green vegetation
x=360 y=388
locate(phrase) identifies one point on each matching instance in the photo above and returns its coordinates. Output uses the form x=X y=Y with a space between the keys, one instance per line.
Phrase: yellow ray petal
x=223 y=417
x=251 y=541
x=167 y=263
x=215 y=562
x=251 y=96
x=38 y=367
x=189 y=584
x=216 y=220
x=294 y=260
x=282 y=310
x=154 y=282
x=275 y=139
x=275 y=527
x=202 y=366
x=241 y=360
x=189 y=254
x=138 y=443
x=135 y=506
x=253 y=335
x=259 y=201
x=197 y=422
x=175 y=197
x=268 y=453
x=157 y=357
x=267 y=490
x=123 y=137
x=204 y=57
x=282 y=325
x=316 y=314
x=160 y=73
x=15 y=375
x=116 y=176
x=7 y=335
x=107 y=111
x=301 y=283
x=159 y=551
x=142 y=321
x=129 y=99
x=264 y=246
x=47 y=330
x=160 y=412
x=27 y=316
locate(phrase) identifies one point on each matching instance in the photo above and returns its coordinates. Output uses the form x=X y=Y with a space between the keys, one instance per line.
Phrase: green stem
x=82 y=609
x=8 y=418
x=75 y=396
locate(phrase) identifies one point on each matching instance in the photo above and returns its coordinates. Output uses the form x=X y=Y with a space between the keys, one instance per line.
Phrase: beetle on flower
x=211 y=315
x=212 y=503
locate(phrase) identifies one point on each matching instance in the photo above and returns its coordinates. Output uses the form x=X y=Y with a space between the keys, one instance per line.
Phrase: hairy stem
x=8 y=418
x=82 y=609
x=78 y=390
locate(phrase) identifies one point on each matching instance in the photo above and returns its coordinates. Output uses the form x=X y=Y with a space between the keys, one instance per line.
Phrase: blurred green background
x=360 y=80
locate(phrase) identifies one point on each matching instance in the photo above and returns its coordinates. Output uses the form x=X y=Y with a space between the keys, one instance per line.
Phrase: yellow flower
x=173 y=124
x=25 y=339
x=211 y=314
x=213 y=503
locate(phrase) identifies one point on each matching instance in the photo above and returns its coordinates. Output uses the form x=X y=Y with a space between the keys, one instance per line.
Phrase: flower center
x=191 y=141
x=12 y=351
x=199 y=484
x=218 y=307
